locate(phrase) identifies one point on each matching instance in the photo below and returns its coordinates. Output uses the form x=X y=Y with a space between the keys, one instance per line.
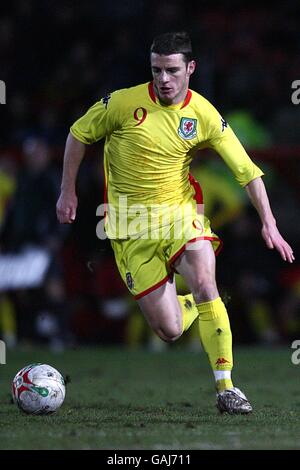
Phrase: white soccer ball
x=38 y=389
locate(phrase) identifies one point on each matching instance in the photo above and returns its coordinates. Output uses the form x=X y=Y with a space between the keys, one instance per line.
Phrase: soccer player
x=152 y=132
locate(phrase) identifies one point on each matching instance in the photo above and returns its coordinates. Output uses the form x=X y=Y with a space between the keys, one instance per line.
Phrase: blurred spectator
x=223 y=198
x=250 y=132
x=288 y=311
x=31 y=222
x=31 y=219
x=8 y=327
x=7 y=185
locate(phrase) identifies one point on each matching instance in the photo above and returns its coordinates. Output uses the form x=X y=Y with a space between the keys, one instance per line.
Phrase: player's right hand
x=66 y=207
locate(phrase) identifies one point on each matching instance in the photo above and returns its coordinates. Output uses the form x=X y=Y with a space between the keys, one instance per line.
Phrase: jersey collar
x=154 y=99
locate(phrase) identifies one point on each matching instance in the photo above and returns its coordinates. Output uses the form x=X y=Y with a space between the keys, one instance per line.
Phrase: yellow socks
x=215 y=335
x=189 y=310
x=216 y=340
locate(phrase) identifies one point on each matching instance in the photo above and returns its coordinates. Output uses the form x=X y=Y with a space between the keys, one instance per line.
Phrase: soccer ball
x=38 y=389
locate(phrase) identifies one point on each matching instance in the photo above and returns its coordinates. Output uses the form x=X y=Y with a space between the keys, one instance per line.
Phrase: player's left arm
x=258 y=195
x=221 y=137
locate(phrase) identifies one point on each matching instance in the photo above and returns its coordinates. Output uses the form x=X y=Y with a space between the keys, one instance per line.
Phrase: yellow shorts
x=146 y=264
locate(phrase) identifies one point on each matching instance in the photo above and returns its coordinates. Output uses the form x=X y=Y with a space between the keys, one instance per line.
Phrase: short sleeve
x=99 y=121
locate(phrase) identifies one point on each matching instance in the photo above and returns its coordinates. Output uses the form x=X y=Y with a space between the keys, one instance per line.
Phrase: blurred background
x=59 y=285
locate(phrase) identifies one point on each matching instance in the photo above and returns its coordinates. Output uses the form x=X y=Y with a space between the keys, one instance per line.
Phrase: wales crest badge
x=187 y=128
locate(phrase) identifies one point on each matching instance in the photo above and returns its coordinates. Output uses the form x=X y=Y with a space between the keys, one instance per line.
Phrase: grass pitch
x=122 y=399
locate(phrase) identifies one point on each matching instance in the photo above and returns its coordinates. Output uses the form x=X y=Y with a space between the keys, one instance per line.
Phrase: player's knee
x=169 y=334
x=205 y=290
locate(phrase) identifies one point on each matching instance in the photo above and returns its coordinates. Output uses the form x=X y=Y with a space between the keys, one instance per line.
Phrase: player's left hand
x=273 y=239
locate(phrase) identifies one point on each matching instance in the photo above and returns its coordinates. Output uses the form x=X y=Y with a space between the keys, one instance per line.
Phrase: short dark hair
x=173 y=43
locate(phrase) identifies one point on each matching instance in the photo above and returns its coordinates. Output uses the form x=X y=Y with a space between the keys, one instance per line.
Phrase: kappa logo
x=187 y=128
x=106 y=99
x=221 y=361
x=129 y=281
x=224 y=124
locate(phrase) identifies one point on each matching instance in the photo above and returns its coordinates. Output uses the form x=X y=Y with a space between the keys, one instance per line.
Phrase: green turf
x=120 y=399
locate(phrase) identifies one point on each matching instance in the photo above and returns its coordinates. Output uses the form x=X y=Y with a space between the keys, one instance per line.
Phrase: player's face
x=171 y=76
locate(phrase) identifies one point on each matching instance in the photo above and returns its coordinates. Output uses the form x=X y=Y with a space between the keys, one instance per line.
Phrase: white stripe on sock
x=222 y=374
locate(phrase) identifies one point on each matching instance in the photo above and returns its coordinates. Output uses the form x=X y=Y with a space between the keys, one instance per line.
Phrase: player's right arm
x=98 y=122
x=67 y=203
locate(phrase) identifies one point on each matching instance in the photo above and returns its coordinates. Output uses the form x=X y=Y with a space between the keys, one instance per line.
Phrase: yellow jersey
x=149 y=147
